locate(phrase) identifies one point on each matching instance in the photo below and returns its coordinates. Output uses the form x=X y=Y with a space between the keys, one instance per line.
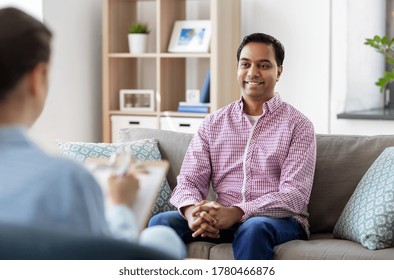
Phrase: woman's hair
x=24 y=43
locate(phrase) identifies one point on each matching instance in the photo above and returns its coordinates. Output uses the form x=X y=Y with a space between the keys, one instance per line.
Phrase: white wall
x=33 y=7
x=303 y=28
x=73 y=109
x=356 y=67
x=364 y=19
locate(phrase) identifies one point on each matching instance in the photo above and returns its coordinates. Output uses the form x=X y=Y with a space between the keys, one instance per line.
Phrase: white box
x=188 y=125
x=118 y=122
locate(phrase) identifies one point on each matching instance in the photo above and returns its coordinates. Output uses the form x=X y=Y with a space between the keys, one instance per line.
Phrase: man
x=259 y=154
x=37 y=189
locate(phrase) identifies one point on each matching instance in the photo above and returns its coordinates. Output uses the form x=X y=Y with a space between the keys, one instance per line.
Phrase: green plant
x=385 y=46
x=138 y=27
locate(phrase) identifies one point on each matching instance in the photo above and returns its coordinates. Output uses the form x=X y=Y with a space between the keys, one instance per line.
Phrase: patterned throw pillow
x=368 y=217
x=146 y=149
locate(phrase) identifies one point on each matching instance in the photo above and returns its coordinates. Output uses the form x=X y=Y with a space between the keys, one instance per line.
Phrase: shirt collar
x=270 y=106
x=11 y=134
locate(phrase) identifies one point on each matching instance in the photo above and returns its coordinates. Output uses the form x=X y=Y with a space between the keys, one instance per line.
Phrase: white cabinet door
x=118 y=122
x=188 y=125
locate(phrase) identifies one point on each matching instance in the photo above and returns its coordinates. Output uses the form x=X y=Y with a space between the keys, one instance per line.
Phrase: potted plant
x=138 y=34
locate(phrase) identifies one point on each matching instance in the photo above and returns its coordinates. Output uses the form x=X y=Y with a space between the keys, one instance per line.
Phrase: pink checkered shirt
x=266 y=169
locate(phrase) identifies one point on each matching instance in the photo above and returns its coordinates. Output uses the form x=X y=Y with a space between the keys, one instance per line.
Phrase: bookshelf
x=169 y=75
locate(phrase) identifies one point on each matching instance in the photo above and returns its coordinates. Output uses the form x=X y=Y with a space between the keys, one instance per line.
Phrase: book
x=193 y=109
x=205 y=91
x=183 y=103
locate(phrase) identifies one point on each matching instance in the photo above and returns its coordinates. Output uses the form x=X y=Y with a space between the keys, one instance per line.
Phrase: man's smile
x=254 y=83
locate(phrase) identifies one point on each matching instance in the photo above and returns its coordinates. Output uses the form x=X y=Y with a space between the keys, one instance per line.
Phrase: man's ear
x=280 y=69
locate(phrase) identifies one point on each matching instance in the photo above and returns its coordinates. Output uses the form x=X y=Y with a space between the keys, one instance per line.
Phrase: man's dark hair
x=266 y=39
x=24 y=43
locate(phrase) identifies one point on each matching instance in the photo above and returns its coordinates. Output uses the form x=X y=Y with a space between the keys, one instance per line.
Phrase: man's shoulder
x=293 y=114
x=225 y=111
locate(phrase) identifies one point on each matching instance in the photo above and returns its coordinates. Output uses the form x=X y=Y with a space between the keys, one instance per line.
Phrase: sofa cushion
x=319 y=247
x=145 y=149
x=172 y=146
x=368 y=217
x=341 y=162
x=324 y=247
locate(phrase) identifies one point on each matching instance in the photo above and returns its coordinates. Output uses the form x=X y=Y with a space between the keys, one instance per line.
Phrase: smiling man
x=259 y=154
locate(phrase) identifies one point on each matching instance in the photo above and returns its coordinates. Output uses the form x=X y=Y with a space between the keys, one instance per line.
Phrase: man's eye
x=264 y=66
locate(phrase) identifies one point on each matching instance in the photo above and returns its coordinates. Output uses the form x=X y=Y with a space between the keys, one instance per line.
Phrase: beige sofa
x=341 y=163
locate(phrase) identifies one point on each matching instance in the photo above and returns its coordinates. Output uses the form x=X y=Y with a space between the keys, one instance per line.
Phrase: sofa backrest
x=341 y=162
x=172 y=146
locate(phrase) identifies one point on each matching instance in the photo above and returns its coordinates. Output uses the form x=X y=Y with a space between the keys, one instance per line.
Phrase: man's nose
x=253 y=71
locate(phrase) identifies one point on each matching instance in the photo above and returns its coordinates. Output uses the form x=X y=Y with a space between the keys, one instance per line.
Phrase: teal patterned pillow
x=146 y=149
x=368 y=217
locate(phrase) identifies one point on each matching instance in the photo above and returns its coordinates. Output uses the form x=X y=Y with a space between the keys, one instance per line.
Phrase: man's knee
x=257 y=226
x=165 y=218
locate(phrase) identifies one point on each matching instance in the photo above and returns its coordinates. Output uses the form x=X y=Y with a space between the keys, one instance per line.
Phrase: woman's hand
x=123 y=189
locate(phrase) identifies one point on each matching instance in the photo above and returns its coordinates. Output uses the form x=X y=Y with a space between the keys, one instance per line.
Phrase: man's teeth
x=253 y=83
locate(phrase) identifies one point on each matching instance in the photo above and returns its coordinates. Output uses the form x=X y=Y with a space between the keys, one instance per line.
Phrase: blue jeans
x=253 y=239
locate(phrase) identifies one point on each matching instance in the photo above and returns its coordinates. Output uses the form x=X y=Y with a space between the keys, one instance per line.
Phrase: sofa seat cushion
x=200 y=250
x=319 y=247
x=324 y=247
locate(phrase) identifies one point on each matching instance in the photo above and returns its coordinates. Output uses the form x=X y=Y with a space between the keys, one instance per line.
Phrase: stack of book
x=193 y=107
x=199 y=107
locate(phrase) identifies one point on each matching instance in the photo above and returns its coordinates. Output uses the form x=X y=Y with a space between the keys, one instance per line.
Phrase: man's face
x=257 y=71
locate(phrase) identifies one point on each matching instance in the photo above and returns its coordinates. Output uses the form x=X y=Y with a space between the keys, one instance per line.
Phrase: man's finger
x=198 y=232
x=207 y=217
x=197 y=223
x=208 y=228
x=206 y=207
x=211 y=235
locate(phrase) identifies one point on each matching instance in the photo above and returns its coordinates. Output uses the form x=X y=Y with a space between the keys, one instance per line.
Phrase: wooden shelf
x=168 y=74
x=132 y=113
x=186 y=55
x=183 y=115
x=129 y=55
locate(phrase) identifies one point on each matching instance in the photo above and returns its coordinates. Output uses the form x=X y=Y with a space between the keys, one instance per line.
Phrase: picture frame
x=137 y=100
x=190 y=36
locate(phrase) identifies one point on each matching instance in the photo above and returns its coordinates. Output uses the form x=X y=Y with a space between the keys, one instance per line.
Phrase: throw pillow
x=146 y=149
x=368 y=217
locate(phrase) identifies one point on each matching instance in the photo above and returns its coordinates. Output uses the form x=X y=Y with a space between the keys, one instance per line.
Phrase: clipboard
x=150 y=183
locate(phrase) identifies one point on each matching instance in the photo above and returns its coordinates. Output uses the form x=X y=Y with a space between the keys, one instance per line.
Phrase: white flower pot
x=137 y=43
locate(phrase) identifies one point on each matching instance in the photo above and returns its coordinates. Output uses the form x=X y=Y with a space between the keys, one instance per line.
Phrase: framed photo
x=190 y=36
x=137 y=100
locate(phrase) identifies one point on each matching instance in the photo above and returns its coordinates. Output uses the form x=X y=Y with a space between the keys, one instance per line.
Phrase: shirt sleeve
x=122 y=222
x=195 y=173
x=296 y=180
